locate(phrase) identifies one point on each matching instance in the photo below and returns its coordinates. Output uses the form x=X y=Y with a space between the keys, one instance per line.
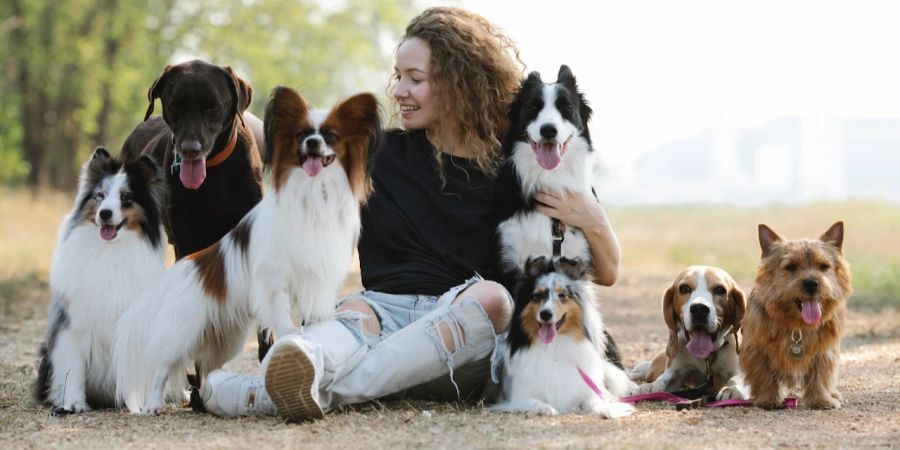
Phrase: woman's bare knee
x=370 y=323
x=494 y=299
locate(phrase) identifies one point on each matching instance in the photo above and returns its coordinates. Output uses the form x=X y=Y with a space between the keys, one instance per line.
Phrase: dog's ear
x=535 y=266
x=573 y=268
x=148 y=164
x=734 y=312
x=533 y=77
x=100 y=153
x=566 y=77
x=241 y=94
x=671 y=318
x=835 y=236
x=156 y=89
x=767 y=239
x=358 y=121
x=286 y=112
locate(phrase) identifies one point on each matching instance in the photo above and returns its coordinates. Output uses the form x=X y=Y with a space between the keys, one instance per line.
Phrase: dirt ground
x=869 y=381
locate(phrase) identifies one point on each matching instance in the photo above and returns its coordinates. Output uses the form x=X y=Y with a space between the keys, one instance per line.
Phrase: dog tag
x=795 y=351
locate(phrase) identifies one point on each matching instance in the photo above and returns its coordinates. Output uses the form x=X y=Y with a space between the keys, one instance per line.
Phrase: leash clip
x=558 y=230
x=176 y=163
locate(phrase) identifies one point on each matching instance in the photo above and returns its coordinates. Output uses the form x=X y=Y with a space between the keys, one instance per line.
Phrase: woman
x=428 y=323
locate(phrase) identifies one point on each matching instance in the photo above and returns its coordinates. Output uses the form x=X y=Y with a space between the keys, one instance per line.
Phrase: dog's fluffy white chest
x=96 y=280
x=530 y=234
x=549 y=373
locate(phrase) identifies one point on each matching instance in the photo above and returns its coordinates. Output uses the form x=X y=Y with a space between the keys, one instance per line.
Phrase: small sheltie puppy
x=555 y=357
x=289 y=254
x=110 y=249
x=795 y=319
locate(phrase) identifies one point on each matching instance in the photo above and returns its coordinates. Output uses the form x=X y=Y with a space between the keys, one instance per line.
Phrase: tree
x=76 y=72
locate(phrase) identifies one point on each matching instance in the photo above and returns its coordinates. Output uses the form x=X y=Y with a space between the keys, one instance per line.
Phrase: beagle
x=703 y=310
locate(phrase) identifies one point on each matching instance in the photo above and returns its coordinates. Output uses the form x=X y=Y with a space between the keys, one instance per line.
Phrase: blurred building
x=788 y=159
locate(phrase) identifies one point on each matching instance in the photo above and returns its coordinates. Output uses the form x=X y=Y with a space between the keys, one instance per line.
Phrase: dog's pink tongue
x=811 y=311
x=107 y=232
x=193 y=173
x=548 y=154
x=547 y=333
x=313 y=165
x=701 y=344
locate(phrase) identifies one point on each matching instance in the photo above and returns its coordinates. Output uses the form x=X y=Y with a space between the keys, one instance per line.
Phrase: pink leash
x=590 y=383
x=789 y=403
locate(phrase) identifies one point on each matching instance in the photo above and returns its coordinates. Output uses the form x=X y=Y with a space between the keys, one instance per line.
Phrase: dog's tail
x=153 y=339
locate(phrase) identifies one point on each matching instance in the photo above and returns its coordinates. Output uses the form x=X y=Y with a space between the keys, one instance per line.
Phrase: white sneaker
x=229 y=394
x=292 y=382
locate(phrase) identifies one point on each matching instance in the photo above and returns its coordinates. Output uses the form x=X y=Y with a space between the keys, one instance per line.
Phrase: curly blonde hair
x=478 y=67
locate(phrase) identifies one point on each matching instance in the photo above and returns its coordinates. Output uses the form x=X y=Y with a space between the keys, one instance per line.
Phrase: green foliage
x=75 y=73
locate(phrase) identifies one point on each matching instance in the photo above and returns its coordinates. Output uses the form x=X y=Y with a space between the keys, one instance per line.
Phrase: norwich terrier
x=795 y=318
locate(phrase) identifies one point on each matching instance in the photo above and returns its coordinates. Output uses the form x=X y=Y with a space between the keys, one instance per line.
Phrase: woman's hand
x=582 y=210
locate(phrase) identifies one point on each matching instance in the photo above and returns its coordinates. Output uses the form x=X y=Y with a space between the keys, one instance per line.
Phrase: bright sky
x=655 y=71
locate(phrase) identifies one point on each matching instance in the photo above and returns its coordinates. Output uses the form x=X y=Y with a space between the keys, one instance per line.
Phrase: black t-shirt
x=419 y=238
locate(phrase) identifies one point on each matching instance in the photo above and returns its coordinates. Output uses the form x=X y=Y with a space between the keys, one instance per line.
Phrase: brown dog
x=209 y=154
x=795 y=319
x=210 y=150
x=703 y=309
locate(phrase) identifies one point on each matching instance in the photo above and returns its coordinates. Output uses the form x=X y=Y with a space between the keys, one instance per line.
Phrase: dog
x=210 y=149
x=210 y=155
x=547 y=147
x=703 y=309
x=795 y=318
x=289 y=254
x=555 y=357
x=110 y=248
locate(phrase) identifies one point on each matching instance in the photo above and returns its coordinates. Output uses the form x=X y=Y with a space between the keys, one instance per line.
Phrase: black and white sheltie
x=289 y=255
x=110 y=249
x=555 y=360
x=548 y=148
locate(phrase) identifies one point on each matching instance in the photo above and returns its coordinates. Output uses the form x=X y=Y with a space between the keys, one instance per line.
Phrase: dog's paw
x=544 y=410
x=609 y=410
x=731 y=393
x=646 y=388
x=820 y=402
x=835 y=394
x=71 y=408
x=151 y=409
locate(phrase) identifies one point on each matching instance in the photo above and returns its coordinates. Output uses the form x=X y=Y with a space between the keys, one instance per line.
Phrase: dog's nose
x=312 y=145
x=810 y=285
x=190 y=148
x=548 y=131
x=699 y=310
x=546 y=314
x=105 y=214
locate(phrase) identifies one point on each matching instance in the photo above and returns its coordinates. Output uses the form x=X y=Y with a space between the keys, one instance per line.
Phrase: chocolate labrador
x=210 y=149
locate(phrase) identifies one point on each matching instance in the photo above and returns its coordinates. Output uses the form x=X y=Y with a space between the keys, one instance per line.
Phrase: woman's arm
x=584 y=211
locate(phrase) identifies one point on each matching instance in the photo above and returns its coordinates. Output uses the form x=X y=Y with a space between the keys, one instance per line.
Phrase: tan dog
x=703 y=310
x=795 y=319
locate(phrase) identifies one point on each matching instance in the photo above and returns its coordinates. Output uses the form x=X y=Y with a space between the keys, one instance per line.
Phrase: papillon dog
x=110 y=249
x=555 y=357
x=288 y=256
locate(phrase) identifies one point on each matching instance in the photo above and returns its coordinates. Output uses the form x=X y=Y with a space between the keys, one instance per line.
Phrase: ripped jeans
x=410 y=358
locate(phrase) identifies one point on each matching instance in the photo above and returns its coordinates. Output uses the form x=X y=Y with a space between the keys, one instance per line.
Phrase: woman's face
x=413 y=90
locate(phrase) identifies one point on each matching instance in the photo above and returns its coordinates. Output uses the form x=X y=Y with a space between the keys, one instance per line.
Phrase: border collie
x=555 y=362
x=547 y=148
x=110 y=249
x=289 y=255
